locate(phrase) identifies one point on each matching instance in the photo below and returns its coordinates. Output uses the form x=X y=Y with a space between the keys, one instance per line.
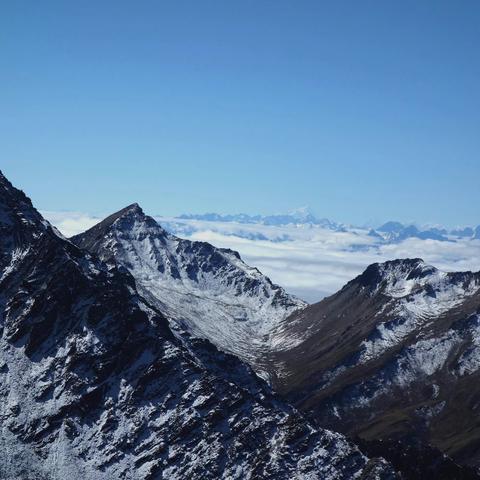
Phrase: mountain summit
x=395 y=352
x=207 y=291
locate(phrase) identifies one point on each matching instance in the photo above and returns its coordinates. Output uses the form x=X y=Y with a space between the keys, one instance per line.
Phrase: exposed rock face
x=94 y=385
x=396 y=351
x=207 y=291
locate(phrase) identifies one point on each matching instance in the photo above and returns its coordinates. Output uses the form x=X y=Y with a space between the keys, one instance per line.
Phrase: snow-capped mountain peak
x=209 y=292
x=396 y=351
x=302 y=214
x=417 y=282
x=397 y=277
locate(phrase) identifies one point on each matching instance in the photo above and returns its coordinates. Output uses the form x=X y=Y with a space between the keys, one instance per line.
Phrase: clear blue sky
x=363 y=110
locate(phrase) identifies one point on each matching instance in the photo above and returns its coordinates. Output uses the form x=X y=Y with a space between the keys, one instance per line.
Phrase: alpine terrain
x=94 y=384
x=393 y=354
x=209 y=292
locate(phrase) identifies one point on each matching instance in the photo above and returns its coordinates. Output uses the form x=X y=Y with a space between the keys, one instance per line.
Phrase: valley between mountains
x=128 y=352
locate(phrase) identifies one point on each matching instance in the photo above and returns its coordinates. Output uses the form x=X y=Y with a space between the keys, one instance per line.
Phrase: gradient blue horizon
x=366 y=111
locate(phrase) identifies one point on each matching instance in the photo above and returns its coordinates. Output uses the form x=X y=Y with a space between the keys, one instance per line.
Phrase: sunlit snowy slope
x=395 y=352
x=207 y=291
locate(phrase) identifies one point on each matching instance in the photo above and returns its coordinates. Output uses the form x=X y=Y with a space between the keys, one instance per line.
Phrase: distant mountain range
x=389 y=232
x=301 y=215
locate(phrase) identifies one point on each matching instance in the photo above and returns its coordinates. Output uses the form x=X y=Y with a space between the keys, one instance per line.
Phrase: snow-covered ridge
x=208 y=291
x=94 y=385
x=401 y=278
x=310 y=261
x=396 y=351
x=420 y=294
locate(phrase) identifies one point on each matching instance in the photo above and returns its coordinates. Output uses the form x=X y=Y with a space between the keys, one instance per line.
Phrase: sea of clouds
x=309 y=261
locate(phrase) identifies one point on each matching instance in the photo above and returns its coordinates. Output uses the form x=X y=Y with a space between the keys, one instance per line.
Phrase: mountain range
x=95 y=384
x=302 y=215
x=293 y=348
x=128 y=352
x=389 y=232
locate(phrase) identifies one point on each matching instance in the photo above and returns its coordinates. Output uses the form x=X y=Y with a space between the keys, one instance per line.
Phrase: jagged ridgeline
x=94 y=384
x=207 y=291
x=395 y=353
x=354 y=362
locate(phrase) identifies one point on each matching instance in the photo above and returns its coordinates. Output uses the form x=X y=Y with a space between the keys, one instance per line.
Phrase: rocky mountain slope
x=209 y=292
x=93 y=383
x=395 y=352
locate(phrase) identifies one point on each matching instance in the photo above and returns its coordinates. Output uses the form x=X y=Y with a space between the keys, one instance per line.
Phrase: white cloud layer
x=70 y=223
x=310 y=262
x=316 y=262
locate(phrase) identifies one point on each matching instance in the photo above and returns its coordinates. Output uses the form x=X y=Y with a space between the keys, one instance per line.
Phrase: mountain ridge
x=394 y=279
x=209 y=292
x=94 y=383
x=394 y=352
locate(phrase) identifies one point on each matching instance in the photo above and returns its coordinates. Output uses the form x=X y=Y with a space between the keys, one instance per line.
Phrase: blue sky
x=366 y=111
